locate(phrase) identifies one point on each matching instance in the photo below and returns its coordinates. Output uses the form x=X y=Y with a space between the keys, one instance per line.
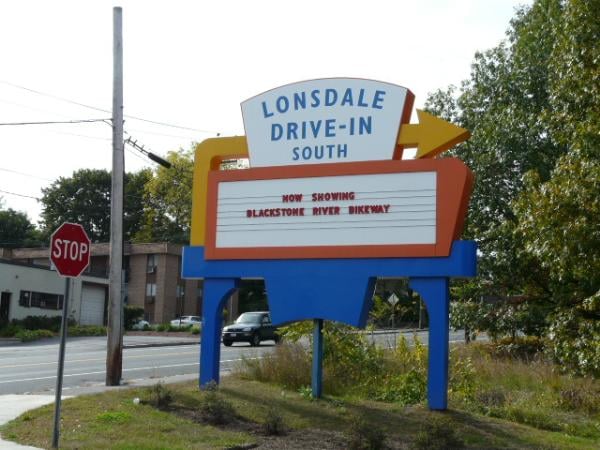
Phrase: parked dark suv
x=252 y=327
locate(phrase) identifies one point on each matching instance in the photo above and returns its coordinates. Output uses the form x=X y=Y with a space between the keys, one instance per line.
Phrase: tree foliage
x=533 y=106
x=84 y=198
x=16 y=230
x=168 y=201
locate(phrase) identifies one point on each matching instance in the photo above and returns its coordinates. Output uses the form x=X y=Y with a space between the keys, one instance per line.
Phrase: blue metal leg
x=216 y=292
x=317 y=363
x=435 y=293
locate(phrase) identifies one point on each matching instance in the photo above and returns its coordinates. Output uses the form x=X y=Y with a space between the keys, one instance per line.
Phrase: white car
x=140 y=325
x=185 y=321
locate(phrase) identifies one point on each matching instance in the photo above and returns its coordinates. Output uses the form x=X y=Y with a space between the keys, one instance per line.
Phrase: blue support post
x=317 y=363
x=216 y=292
x=435 y=293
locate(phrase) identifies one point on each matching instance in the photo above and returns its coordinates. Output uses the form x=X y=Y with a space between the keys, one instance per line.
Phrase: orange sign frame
x=454 y=186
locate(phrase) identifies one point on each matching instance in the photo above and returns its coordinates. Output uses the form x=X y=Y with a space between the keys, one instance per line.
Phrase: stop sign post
x=70 y=249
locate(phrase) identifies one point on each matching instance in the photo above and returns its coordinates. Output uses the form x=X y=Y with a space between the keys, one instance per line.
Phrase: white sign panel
x=324 y=121
x=345 y=210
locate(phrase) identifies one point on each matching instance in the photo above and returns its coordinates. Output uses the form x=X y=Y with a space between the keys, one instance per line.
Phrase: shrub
x=195 y=329
x=41 y=323
x=525 y=348
x=163 y=327
x=33 y=335
x=439 y=434
x=10 y=330
x=406 y=388
x=364 y=435
x=177 y=328
x=273 y=425
x=87 y=330
x=131 y=314
x=214 y=408
x=169 y=327
x=159 y=396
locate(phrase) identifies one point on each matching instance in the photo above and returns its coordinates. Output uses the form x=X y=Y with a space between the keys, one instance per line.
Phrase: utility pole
x=114 y=356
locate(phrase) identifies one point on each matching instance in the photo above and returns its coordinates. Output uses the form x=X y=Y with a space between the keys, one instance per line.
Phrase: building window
x=151 y=264
x=151 y=291
x=43 y=300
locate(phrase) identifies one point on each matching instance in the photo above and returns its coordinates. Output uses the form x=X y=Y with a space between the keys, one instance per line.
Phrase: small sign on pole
x=392 y=300
x=70 y=249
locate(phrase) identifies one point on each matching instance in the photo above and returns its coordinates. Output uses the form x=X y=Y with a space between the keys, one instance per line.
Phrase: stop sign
x=70 y=249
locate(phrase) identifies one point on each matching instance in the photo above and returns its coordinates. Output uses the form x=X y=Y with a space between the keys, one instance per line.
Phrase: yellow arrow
x=431 y=135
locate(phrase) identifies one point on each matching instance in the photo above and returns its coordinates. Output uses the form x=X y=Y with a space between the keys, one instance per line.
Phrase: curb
x=6 y=342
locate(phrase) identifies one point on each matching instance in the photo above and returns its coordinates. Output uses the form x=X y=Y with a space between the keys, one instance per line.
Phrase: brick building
x=152 y=277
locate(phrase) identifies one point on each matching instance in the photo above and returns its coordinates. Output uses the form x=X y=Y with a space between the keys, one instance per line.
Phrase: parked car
x=140 y=325
x=252 y=327
x=185 y=321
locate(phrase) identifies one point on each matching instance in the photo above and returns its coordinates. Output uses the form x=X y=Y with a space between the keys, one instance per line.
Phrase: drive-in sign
x=70 y=249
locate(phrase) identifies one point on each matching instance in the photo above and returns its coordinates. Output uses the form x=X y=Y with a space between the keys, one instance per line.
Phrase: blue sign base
x=331 y=289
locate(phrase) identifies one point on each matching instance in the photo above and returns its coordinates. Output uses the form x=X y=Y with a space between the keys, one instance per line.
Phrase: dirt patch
x=290 y=440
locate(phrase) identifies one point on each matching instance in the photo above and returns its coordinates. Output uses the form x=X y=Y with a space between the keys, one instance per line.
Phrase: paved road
x=31 y=368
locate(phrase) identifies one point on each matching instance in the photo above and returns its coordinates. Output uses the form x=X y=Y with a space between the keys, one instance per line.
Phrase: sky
x=189 y=64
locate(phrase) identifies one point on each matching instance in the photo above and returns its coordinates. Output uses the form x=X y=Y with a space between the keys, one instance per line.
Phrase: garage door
x=92 y=305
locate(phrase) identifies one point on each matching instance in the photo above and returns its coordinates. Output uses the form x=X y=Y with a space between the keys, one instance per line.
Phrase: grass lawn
x=112 y=421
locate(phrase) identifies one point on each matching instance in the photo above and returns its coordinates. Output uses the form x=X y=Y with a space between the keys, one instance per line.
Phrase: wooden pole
x=114 y=356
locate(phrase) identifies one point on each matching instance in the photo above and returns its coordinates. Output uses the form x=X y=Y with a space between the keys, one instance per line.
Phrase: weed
x=289 y=366
x=364 y=435
x=214 y=408
x=406 y=388
x=273 y=424
x=439 y=434
x=580 y=395
x=306 y=392
x=529 y=416
x=160 y=396
x=492 y=398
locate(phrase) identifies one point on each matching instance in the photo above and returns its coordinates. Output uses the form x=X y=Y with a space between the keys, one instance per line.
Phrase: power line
x=24 y=174
x=98 y=138
x=20 y=195
x=50 y=122
x=53 y=96
x=156 y=122
x=136 y=155
x=179 y=136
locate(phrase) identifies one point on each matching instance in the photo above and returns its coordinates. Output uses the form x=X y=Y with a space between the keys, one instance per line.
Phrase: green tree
x=16 y=230
x=533 y=106
x=168 y=201
x=84 y=198
x=560 y=221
